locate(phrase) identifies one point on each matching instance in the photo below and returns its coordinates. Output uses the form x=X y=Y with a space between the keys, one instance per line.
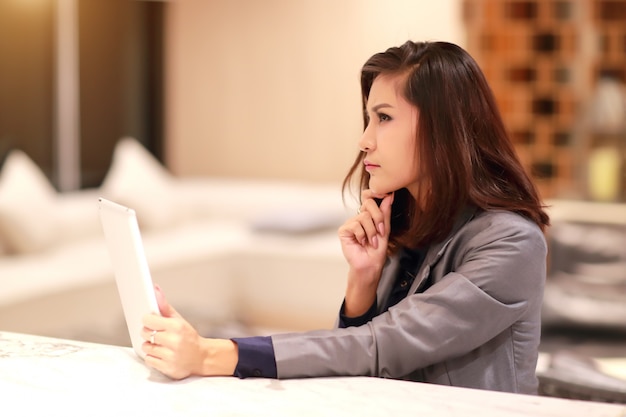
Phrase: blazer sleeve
x=498 y=275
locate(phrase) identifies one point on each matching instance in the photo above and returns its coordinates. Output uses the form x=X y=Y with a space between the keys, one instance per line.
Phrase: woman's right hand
x=175 y=348
x=364 y=239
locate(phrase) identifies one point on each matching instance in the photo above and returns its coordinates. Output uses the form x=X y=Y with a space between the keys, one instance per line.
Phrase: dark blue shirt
x=256 y=354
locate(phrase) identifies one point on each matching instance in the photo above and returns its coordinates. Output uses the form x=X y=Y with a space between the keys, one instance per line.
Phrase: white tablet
x=130 y=266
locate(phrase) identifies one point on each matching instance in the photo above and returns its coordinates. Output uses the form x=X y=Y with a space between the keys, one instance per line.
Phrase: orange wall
x=269 y=89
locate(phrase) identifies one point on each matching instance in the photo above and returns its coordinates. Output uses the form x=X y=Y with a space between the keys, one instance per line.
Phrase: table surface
x=46 y=376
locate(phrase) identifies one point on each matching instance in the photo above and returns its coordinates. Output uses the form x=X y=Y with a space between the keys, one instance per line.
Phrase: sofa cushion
x=265 y=203
x=138 y=180
x=77 y=213
x=27 y=205
x=297 y=220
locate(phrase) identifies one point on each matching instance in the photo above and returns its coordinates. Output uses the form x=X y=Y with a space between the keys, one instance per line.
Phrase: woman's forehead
x=387 y=88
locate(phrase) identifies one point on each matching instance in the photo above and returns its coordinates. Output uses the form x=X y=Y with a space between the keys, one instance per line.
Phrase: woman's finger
x=385 y=208
x=371 y=204
x=165 y=307
x=156 y=362
x=368 y=225
x=367 y=194
x=153 y=350
x=152 y=336
x=154 y=321
x=353 y=231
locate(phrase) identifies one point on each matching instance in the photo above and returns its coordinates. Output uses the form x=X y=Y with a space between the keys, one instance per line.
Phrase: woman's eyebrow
x=380 y=106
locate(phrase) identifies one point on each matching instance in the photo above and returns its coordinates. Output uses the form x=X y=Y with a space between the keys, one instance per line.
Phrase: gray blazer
x=477 y=326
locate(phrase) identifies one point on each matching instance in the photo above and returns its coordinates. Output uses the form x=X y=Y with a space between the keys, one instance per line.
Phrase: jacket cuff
x=256 y=357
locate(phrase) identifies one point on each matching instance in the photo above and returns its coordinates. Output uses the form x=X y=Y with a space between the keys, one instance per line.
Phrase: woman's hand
x=364 y=240
x=175 y=348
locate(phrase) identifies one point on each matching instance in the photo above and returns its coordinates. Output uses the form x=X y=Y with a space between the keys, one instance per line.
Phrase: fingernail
x=381 y=228
x=375 y=242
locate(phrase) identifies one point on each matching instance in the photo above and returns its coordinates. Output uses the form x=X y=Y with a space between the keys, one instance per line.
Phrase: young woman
x=447 y=257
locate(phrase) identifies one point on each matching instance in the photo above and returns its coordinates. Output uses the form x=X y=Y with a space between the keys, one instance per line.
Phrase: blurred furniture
x=584 y=309
x=572 y=375
x=586 y=283
x=243 y=254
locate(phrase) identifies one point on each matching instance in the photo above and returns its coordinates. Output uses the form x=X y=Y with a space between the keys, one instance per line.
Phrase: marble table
x=55 y=377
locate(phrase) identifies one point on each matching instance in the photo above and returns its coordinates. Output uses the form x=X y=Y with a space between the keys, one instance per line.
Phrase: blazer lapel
x=437 y=250
x=386 y=281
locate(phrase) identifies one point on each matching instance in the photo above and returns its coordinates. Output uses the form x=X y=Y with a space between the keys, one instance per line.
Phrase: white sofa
x=234 y=256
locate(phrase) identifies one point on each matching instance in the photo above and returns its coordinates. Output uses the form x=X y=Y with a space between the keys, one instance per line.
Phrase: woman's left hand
x=175 y=348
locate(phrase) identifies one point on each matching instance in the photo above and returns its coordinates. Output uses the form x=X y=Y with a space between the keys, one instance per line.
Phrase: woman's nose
x=366 y=143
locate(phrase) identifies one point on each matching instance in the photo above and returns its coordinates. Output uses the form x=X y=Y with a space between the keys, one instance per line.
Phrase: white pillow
x=28 y=220
x=298 y=221
x=136 y=179
x=77 y=212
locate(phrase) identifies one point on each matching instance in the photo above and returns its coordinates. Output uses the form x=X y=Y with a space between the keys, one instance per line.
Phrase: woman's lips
x=369 y=166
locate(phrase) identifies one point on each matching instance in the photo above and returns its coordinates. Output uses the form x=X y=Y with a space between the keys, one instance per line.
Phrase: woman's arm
x=497 y=281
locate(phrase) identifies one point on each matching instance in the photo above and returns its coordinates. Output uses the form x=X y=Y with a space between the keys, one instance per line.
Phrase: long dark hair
x=462 y=147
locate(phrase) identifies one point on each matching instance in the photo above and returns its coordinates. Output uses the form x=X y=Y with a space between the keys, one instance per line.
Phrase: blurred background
x=269 y=89
x=224 y=88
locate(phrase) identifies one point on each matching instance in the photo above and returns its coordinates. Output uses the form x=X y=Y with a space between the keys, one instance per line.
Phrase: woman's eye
x=382 y=117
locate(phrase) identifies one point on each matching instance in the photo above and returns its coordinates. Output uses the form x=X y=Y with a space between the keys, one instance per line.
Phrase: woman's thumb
x=385 y=206
x=164 y=306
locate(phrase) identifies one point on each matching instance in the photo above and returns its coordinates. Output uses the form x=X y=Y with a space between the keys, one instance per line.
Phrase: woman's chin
x=380 y=189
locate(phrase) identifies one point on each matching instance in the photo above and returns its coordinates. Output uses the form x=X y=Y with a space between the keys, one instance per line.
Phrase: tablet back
x=132 y=275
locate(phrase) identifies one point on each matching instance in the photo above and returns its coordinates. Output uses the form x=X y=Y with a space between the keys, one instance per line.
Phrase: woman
x=446 y=255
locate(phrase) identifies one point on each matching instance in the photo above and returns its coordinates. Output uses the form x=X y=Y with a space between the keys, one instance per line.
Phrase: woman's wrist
x=360 y=292
x=220 y=357
x=355 y=305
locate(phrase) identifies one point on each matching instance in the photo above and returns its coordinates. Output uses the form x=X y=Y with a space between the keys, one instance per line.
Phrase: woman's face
x=389 y=139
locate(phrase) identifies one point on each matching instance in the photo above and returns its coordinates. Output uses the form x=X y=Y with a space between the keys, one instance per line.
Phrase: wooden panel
x=26 y=80
x=543 y=59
